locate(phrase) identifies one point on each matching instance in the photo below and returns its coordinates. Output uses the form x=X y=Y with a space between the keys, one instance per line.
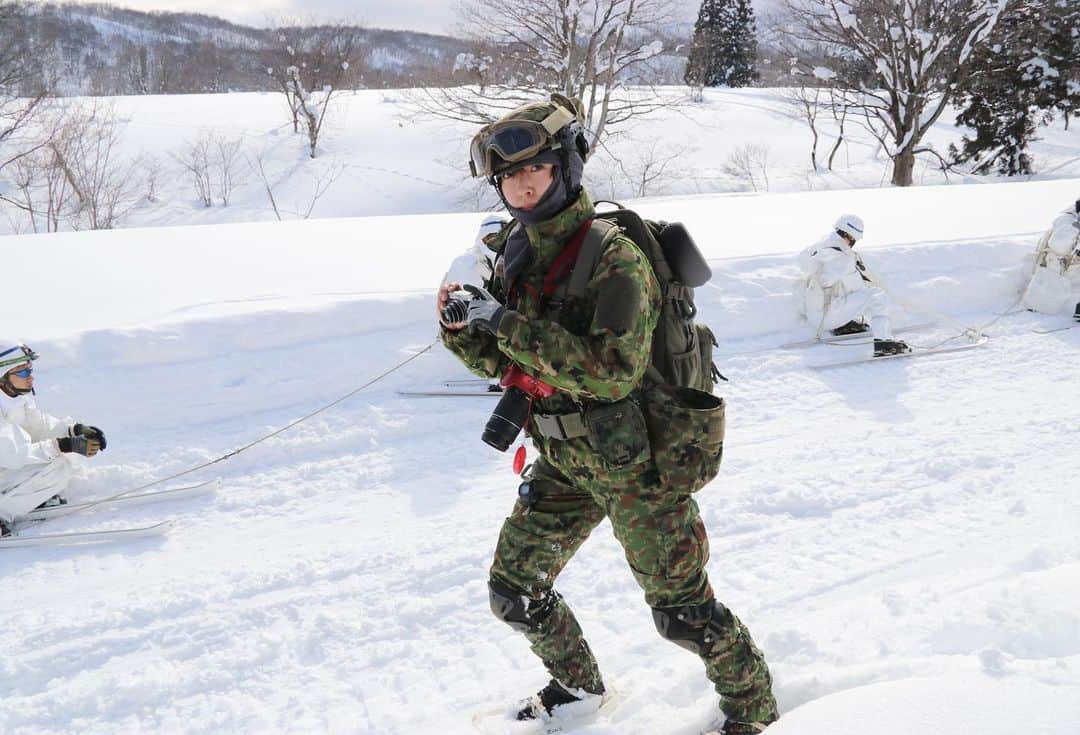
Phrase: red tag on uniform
x=519 y=460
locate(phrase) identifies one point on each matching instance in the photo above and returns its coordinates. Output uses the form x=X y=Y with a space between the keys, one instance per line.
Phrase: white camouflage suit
x=837 y=291
x=32 y=468
x=1055 y=280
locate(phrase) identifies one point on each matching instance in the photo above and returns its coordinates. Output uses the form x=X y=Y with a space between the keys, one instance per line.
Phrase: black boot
x=550 y=698
x=883 y=347
x=855 y=326
x=732 y=727
x=52 y=502
x=4 y=529
x=1076 y=314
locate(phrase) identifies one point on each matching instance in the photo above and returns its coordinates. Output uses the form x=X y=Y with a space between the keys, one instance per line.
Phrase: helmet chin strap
x=9 y=388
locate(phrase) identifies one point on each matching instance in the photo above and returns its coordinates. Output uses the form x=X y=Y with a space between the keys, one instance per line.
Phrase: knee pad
x=518 y=610
x=696 y=628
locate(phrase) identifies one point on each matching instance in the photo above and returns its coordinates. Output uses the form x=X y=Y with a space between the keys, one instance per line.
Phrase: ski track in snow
x=876 y=525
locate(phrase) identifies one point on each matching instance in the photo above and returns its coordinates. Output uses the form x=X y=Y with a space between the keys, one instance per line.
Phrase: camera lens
x=507 y=419
x=455 y=311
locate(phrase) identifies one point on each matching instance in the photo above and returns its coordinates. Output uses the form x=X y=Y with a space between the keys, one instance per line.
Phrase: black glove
x=80 y=445
x=485 y=312
x=90 y=432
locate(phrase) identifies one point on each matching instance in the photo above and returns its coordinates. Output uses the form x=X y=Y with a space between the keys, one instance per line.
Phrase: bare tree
x=22 y=93
x=195 y=160
x=309 y=64
x=324 y=177
x=230 y=166
x=806 y=105
x=749 y=163
x=104 y=182
x=588 y=49
x=896 y=63
x=648 y=168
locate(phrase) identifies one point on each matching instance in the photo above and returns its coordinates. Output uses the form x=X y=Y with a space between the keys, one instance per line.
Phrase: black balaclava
x=519 y=252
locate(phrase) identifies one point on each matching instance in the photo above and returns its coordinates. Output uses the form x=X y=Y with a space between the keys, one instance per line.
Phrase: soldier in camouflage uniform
x=595 y=354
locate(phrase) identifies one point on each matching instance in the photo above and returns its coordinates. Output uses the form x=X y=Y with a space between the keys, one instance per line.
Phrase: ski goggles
x=24 y=373
x=514 y=141
x=18 y=355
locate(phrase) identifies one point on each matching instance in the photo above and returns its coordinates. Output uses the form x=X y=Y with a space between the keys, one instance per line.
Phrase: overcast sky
x=431 y=16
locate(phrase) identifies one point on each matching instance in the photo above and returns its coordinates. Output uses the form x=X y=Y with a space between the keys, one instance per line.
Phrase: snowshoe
x=855 y=326
x=1076 y=314
x=883 y=347
x=54 y=501
x=557 y=700
x=734 y=727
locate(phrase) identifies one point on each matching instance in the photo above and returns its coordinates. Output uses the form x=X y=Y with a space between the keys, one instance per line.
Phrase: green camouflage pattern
x=600 y=362
x=580 y=355
x=666 y=547
x=687 y=429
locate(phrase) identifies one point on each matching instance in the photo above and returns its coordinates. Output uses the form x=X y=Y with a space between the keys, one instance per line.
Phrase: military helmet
x=526 y=132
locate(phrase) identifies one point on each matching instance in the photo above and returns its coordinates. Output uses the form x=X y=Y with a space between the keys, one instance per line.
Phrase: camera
x=457 y=308
x=512 y=411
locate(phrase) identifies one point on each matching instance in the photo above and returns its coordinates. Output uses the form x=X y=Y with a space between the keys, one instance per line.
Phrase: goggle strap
x=558 y=120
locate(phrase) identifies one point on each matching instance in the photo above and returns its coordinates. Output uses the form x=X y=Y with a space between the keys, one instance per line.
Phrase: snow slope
x=388 y=160
x=900 y=537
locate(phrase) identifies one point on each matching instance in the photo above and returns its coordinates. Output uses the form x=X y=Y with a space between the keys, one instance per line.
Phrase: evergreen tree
x=724 y=48
x=1019 y=81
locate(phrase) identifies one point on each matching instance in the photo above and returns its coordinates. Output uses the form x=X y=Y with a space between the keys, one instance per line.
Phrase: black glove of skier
x=485 y=312
x=79 y=445
x=90 y=432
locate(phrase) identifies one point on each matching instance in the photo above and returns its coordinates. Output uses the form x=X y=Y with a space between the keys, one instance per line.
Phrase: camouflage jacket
x=597 y=351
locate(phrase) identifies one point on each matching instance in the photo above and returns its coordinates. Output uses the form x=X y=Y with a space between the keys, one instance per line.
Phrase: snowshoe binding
x=53 y=502
x=885 y=347
x=555 y=700
x=736 y=727
x=855 y=326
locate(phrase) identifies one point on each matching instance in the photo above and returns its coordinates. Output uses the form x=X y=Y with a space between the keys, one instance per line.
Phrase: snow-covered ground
x=385 y=159
x=901 y=538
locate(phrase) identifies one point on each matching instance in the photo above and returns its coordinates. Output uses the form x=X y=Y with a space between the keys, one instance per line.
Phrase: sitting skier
x=35 y=466
x=840 y=294
x=1055 y=281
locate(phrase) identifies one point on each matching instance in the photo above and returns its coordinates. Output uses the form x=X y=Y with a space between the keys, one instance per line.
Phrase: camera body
x=512 y=411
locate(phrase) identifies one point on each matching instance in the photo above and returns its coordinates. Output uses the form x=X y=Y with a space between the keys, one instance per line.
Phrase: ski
x=1049 y=330
x=488 y=390
x=16 y=541
x=501 y=721
x=44 y=514
x=848 y=339
x=916 y=352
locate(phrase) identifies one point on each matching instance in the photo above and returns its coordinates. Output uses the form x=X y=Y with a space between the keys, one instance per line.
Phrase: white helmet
x=851 y=225
x=14 y=354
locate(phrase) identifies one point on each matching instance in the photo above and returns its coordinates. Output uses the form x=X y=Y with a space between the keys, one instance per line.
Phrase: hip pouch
x=686 y=430
x=618 y=432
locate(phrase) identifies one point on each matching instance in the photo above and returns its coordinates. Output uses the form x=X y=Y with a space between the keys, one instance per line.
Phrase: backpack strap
x=601 y=233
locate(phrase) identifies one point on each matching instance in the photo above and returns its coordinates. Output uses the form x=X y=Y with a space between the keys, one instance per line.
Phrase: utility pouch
x=686 y=431
x=618 y=432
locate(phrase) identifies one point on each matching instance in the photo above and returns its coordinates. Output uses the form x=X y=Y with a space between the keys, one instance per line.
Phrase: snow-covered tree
x=589 y=49
x=1028 y=72
x=310 y=63
x=897 y=63
x=724 y=48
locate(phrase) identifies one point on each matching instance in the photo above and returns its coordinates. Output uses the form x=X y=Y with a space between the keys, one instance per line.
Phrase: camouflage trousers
x=666 y=547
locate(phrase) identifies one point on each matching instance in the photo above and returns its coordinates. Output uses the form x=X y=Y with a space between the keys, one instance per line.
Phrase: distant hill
x=107 y=50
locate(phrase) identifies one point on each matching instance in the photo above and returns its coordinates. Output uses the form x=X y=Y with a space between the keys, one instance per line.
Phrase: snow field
x=900 y=537
x=387 y=160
